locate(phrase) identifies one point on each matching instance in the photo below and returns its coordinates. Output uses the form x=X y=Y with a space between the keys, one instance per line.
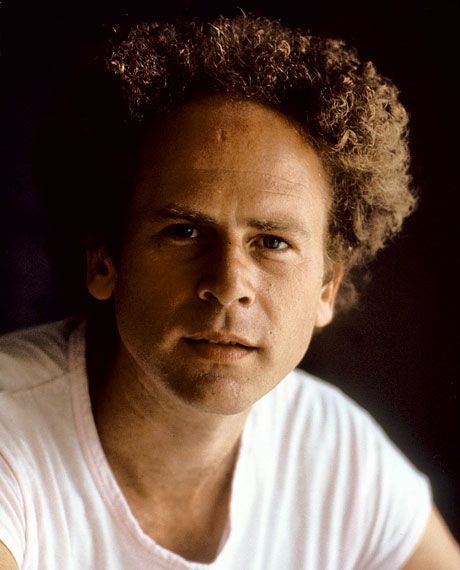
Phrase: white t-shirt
x=317 y=485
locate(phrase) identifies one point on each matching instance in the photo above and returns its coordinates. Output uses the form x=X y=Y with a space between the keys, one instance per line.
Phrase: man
x=224 y=201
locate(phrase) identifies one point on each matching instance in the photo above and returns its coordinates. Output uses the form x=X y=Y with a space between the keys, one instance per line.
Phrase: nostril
x=226 y=284
x=209 y=296
x=224 y=299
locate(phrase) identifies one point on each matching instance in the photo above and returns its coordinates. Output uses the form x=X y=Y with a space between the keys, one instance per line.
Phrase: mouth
x=217 y=342
x=220 y=348
x=221 y=339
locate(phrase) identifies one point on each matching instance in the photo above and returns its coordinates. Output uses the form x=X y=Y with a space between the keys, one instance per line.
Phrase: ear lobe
x=325 y=310
x=100 y=273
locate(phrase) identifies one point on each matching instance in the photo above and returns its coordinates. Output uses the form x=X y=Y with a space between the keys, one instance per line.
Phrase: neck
x=173 y=462
x=155 y=443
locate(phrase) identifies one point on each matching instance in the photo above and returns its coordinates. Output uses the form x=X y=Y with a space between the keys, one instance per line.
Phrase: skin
x=225 y=237
x=180 y=277
x=7 y=561
x=251 y=262
x=437 y=548
x=170 y=411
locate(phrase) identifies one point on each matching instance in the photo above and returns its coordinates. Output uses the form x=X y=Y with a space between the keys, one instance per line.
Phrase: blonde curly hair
x=351 y=114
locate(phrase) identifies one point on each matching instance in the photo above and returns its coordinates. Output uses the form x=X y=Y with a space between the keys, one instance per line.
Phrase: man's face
x=220 y=279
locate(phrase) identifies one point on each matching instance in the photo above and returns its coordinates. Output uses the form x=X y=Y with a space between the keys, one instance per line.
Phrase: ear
x=325 y=310
x=100 y=273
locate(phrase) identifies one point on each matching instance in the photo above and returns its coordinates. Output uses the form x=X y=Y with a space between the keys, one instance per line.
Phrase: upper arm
x=12 y=514
x=436 y=549
x=7 y=561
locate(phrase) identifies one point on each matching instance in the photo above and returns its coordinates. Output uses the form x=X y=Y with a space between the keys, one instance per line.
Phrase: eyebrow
x=281 y=223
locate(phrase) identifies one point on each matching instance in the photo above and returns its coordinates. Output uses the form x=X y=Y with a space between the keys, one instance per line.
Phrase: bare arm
x=437 y=548
x=7 y=561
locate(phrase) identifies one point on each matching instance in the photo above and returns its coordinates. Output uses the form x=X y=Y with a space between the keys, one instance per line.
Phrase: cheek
x=294 y=290
x=152 y=280
x=293 y=300
x=150 y=296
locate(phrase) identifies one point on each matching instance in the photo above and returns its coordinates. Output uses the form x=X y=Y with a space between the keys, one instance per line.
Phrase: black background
x=397 y=353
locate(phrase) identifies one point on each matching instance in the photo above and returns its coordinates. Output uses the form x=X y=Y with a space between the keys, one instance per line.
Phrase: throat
x=188 y=520
x=173 y=464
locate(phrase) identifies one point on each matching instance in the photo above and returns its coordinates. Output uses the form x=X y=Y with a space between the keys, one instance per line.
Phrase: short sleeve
x=399 y=503
x=12 y=520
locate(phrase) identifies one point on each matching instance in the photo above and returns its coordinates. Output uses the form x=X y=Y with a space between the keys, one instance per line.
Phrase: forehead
x=217 y=131
x=217 y=148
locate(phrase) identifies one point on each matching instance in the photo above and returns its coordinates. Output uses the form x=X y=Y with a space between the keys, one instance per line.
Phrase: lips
x=222 y=348
x=219 y=343
x=220 y=339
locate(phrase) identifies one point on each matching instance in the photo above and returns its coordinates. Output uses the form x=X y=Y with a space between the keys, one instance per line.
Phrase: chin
x=218 y=393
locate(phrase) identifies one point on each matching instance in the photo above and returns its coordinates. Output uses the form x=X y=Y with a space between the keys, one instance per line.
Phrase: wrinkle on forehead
x=259 y=172
x=235 y=180
x=221 y=145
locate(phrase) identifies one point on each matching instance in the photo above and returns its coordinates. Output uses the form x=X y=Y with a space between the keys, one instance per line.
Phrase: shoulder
x=35 y=389
x=41 y=461
x=318 y=419
x=315 y=407
x=339 y=461
x=34 y=356
x=312 y=422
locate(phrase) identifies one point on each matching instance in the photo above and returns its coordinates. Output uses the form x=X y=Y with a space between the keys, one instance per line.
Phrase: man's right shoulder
x=35 y=392
x=35 y=355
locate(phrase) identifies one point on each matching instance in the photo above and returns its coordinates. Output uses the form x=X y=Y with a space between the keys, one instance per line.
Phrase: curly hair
x=351 y=115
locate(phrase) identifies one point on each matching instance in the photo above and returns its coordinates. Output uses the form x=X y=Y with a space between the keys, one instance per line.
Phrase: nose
x=226 y=278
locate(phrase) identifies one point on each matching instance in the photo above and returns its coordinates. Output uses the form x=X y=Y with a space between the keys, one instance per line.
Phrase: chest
x=192 y=529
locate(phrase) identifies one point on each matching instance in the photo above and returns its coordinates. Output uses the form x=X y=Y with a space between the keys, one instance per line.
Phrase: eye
x=182 y=232
x=273 y=242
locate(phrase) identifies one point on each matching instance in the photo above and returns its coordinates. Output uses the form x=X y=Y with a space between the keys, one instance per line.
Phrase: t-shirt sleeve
x=398 y=503
x=12 y=520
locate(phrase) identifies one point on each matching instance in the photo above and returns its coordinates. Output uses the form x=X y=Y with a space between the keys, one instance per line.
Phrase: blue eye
x=182 y=231
x=273 y=242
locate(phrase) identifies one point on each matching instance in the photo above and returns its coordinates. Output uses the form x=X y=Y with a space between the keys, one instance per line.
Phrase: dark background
x=397 y=353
